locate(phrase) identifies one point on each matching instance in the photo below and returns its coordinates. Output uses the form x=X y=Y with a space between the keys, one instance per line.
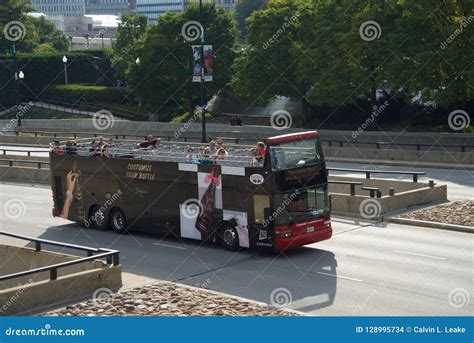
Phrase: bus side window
x=260 y=202
x=59 y=193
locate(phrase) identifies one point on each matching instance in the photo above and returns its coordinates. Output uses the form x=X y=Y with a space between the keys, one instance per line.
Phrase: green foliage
x=162 y=80
x=422 y=48
x=49 y=34
x=243 y=10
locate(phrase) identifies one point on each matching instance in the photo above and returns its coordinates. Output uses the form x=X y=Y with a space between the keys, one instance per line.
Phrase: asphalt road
x=365 y=269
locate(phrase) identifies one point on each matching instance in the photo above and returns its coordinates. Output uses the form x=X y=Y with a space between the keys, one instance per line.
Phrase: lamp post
x=65 y=70
x=15 y=70
x=21 y=76
x=101 y=34
x=203 y=111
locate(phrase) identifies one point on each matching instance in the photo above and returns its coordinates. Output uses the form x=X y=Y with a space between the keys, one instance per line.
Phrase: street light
x=65 y=70
x=203 y=112
x=137 y=61
x=21 y=76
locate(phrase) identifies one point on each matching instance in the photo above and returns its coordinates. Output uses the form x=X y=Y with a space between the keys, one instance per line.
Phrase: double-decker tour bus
x=271 y=196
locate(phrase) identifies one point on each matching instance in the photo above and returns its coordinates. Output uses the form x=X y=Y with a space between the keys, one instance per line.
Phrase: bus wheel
x=229 y=237
x=118 y=221
x=99 y=219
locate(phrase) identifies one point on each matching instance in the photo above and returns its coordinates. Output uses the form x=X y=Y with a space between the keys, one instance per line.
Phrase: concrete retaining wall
x=31 y=293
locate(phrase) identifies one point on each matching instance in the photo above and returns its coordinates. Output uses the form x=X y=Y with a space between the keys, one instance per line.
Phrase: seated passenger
x=100 y=142
x=206 y=157
x=191 y=156
x=105 y=151
x=259 y=152
x=222 y=154
x=57 y=148
x=150 y=142
x=212 y=148
x=71 y=148
x=94 y=150
x=220 y=144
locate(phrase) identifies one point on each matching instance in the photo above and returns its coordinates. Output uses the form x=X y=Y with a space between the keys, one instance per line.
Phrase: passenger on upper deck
x=259 y=152
x=71 y=148
x=151 y=142
x=94 y=150
x=100 y=142
x=57 y=148
x=212 y=148
x=206 y=157
x=105 y=151
x=222 y=154
x=191 y=156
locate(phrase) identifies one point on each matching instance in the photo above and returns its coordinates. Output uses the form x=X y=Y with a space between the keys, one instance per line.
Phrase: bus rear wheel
x=118 y=221
x=229 y=237
x=99 y=220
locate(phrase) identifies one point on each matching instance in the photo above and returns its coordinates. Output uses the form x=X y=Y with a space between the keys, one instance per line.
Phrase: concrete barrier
x=28 y=294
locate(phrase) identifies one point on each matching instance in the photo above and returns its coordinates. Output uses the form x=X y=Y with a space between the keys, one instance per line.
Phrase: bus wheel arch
x=118 y=220
x=98 y=218
x=228 y=236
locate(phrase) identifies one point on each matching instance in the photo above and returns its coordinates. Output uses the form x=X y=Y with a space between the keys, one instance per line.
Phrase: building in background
x=156 y=8
x=67 y=8
x=110 y=7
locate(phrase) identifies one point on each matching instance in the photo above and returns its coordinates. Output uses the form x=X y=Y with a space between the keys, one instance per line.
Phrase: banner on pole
x=206 y=70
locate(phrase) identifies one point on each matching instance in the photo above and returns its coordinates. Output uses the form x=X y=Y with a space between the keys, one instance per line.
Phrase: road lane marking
x=421 y=255
x=169 y=246
x=339 y=276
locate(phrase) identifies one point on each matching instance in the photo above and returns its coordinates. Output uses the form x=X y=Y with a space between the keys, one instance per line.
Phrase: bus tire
x=228 y=237
x=99 y=220
x=118 y=221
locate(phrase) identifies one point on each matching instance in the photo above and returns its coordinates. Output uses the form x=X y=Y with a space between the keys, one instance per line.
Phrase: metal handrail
x=369 y=172
x=351 y=183
x=378 y=145
x=11 y=162
x=112 y=256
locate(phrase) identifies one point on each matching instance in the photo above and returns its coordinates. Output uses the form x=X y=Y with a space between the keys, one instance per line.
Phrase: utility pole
x=203 y=111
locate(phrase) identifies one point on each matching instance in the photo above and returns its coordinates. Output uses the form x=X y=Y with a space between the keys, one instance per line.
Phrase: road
x=365 y=269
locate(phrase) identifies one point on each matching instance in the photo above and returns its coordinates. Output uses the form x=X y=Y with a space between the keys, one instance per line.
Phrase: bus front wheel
x=118 y=221
x=229 y=237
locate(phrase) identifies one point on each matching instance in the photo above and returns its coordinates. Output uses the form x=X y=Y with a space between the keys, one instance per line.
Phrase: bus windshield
x=296 y=153
x=301 y=205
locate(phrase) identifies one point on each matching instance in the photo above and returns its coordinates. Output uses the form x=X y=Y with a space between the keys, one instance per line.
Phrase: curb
x=433 y=225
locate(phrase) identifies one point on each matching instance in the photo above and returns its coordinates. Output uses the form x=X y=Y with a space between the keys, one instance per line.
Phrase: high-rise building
x=110 y=7
x=155 y=8
x=68 y=8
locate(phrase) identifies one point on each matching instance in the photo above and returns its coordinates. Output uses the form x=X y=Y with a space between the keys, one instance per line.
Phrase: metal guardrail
x=11 y=163
x=352 y=184
x=28 y=152
x=196 y=136
x=111 y=257
x=368 y=173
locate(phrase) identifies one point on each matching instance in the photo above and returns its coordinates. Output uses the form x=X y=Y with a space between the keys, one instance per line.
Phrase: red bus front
x=301 y=206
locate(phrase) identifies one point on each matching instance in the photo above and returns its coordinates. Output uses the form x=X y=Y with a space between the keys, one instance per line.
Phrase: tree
x=163 y=79
x=243 y=10
x=49 y=34
x=14 y=14
x=126 y=47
